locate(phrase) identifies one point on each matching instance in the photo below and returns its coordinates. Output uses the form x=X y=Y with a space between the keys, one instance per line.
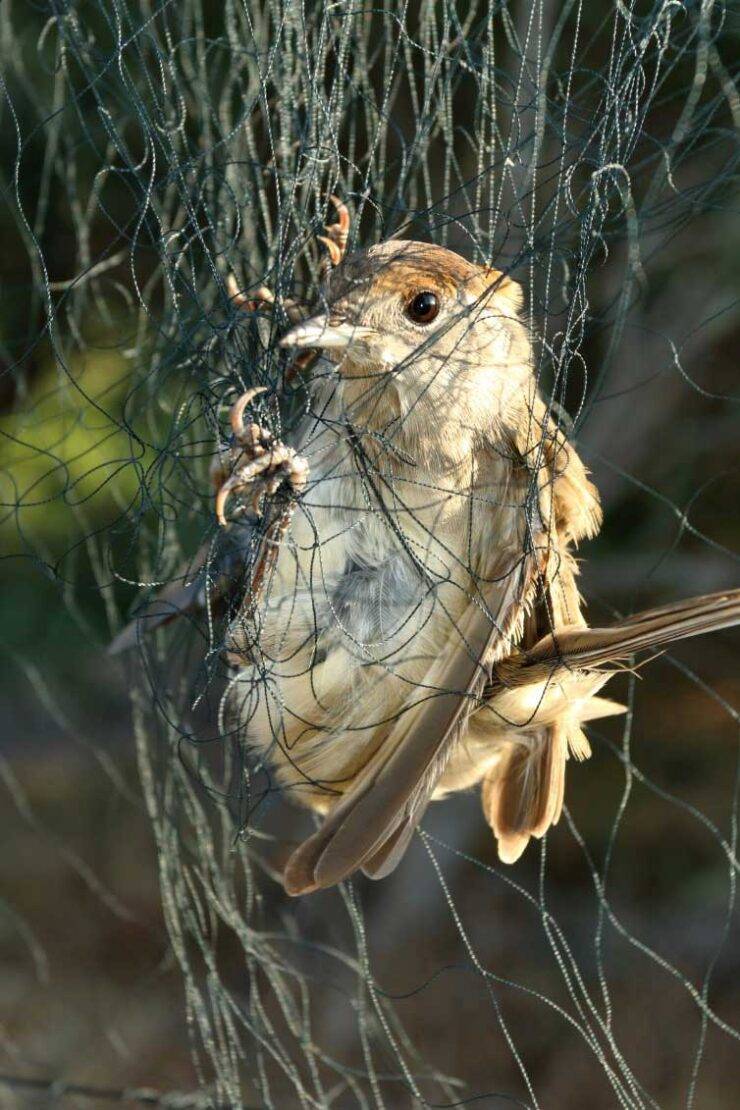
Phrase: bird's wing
x=523 y=793
x=218 y=570
x=182 y=595
x=372 y=823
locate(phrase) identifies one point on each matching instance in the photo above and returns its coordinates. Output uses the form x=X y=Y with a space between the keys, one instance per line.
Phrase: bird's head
x=415 y=329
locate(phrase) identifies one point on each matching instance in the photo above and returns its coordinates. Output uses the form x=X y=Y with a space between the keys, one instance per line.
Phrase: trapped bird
x=416 y=627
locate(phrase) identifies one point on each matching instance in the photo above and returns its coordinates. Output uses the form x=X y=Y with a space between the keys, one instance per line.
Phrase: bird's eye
x=423 y=308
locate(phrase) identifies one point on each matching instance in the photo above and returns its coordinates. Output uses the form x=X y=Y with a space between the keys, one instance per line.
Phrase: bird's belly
x=345 y=642
x=360 y=605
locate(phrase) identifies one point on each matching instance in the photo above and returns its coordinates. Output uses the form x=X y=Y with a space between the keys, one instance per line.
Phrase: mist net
x=163 y=163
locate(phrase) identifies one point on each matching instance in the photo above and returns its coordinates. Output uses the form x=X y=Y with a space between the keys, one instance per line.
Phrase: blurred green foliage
x=65 y=465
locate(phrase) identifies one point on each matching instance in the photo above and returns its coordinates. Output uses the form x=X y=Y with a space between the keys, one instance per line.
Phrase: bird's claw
x=337 y=233
x=260 y=298
x=257 y=459
x=335 y=241
x=259 y=462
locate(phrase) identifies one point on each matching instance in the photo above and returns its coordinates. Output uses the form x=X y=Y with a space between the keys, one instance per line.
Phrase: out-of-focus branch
x=137 y=1096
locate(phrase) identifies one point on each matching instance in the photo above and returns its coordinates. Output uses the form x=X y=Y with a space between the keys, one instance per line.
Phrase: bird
x=414 y=626
x=423 y=631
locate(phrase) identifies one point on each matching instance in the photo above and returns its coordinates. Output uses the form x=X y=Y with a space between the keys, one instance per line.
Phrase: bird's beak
x=325 y=333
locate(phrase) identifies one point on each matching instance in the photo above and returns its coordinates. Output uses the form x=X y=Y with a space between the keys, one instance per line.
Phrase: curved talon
x=221 y=498
x=241 y=477
x=264 y=294
x=236 y=416
x=294 y=310
x=249 y=301
x=340 y=229
x=337 y=234
x=335 y=254
x=232 y=288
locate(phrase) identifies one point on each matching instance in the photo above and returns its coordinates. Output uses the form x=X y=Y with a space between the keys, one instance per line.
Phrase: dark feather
x=218 y=568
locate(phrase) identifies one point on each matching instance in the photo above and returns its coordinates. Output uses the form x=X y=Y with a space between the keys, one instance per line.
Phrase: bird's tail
x=576 y=648
x=523 y=793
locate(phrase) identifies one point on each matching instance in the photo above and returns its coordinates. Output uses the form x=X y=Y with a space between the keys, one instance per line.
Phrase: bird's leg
x=256 y=460
x=263 y=464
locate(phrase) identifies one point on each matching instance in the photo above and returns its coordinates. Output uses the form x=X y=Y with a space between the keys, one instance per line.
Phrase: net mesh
x=153 y=155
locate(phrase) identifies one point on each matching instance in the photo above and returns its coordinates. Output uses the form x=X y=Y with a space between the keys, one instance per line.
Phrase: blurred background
x=142 y=944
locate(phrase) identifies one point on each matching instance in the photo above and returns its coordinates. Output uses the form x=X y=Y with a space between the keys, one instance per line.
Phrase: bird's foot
x=264 y=298
x=256 y=462
x=335 y=241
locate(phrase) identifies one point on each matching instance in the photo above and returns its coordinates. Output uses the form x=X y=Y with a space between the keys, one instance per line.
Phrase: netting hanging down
x=419 y=505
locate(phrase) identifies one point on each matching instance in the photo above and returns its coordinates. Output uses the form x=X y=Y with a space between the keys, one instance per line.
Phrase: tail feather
x=575 y=647
x=523 y=795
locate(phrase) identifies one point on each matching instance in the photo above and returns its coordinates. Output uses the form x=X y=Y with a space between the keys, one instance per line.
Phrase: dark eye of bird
x=423 y=308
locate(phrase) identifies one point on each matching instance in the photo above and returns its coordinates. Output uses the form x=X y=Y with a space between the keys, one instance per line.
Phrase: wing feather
x=523 y=793
x=374 y=821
